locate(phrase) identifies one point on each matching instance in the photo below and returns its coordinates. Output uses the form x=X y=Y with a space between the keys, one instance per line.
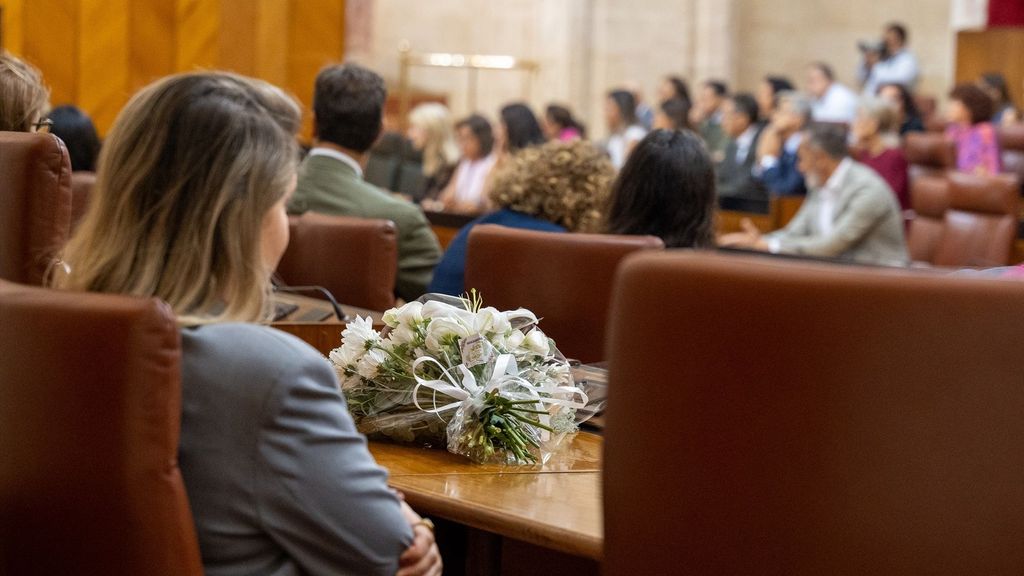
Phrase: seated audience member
x=348 y=106
x=832 y=102
x=673 y=114
x=624 y=129
x=432 y=135
x=907 y=114
x=558 y=187
x=78 y=133
x=994 y=84
x=644 y=113
x=191 y=210
x=707 y=116
x=518 y=129
x=877 y=144
x=850 y=212
x=465 y=191
x=674 y=87
x=561 y=125
x=767 y=94
x=23 y=95
x=778 y=144
x=666 y=189
x=888 y=62
x=736 y=172
x=970 y=126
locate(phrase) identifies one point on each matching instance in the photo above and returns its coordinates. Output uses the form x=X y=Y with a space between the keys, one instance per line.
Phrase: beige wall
x=782 y=36
x=585 y=47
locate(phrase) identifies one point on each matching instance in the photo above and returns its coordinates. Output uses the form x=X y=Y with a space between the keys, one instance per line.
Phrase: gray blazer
x=279 y=481
x=867 y=225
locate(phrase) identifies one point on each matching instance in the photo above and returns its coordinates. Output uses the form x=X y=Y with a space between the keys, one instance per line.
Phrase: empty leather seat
x=770 y=417
x=90 y=406
x=82 y=184
x=929 y=153
x=35 y=205
x=929 y=198
x=565 y=279
x=981 y=223
x=356 y=259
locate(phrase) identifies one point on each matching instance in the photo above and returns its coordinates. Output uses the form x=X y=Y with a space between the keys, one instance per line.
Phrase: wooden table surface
x=557 y=505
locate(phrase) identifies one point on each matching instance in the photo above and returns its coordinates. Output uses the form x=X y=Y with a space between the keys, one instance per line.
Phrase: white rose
x=491 y=321
x=441 y=329
x=537 y=342
x=515 y=340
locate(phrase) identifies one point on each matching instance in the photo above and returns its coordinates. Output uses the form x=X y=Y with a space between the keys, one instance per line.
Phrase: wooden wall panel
x=108 y=49
x=993 y=50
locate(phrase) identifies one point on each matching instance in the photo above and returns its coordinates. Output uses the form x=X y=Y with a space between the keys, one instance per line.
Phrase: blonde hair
x=440 y=149
x=189 y=170
x=566 y=183
x=23 y=96
x=885 y=114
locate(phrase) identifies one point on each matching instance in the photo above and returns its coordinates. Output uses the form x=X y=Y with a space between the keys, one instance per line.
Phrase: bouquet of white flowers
x=487 y=384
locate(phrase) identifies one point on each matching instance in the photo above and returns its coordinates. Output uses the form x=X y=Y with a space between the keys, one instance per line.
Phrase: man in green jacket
x=348 y=107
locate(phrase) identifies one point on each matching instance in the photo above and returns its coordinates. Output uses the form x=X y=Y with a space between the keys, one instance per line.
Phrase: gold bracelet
x=426 y=523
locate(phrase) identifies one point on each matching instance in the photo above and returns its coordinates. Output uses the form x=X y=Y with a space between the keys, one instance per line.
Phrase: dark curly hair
x=979 y=104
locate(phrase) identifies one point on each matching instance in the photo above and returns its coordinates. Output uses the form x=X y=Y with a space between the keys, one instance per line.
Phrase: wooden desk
x=323 y=335
x=556 y=506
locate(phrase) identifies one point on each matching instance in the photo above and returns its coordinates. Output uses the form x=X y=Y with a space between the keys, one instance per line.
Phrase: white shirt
x=340 y=156
x=618 y=144
x=744 y=142
x=900 y=68
x=470 y=179
x=839 y=104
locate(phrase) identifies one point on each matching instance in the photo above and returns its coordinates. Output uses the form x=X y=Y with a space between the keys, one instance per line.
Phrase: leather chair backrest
x=90 y=406
x=929 y=153
x=565 y=279
x=1011 y=142
x=929 y=198
x=981 y=224
x=82 y=184
x=769 y=417
x=35 y=205
x=356 y=259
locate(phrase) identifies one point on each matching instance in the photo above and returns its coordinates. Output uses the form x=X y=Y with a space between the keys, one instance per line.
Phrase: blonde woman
x=25 y=99
x=189 y=207
x=432 y=134
x=557 y=187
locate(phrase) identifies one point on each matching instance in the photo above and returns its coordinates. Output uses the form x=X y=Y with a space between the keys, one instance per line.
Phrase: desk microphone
x=338 y=312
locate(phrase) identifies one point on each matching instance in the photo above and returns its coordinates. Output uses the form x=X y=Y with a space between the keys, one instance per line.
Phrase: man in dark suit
x=348 y=107
x=736 y=181
x=778 y=145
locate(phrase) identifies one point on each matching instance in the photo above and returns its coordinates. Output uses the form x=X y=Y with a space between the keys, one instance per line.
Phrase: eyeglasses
x=43 y=126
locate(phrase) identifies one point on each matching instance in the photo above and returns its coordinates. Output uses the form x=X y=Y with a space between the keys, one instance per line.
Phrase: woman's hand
x=422 y=558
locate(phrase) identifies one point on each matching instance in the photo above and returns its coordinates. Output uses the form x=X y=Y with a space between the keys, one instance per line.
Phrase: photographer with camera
x=887 y=61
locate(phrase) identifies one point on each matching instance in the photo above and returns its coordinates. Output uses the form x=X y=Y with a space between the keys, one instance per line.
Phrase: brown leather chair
x=90 y=407
x=770 y=417
x=1011 y=142
x=981 y=224
x=929 y=153
x=565 y=279
x=35 y=204
x=356 y=259
x=929 y=197
x=82 y=184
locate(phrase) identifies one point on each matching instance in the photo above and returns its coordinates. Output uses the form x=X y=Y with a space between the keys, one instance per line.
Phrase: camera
x=866 y=46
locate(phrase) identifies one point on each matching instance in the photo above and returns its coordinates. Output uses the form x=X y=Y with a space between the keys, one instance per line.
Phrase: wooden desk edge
x=493 y=521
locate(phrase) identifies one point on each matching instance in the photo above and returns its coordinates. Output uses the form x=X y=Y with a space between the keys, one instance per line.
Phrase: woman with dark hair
x=672 y=87
x=465 y=191
x=561 y=125
x=970 y=127
x=767 y=90
x=909 y=117
x=673 y=114
x=624 y=128
x=666 y=189
x=994 y=84
x=77 y=131
x=519 y=128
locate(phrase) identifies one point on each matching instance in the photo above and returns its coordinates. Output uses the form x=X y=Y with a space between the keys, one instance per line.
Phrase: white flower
x=370 y=362
x=515 y=340
x=407 y=315
x=537 y=342
x=441 y=329
x=357 y=338
x=491 y=321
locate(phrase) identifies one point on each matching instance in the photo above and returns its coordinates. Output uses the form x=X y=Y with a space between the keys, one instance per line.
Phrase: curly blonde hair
x=565 y=183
